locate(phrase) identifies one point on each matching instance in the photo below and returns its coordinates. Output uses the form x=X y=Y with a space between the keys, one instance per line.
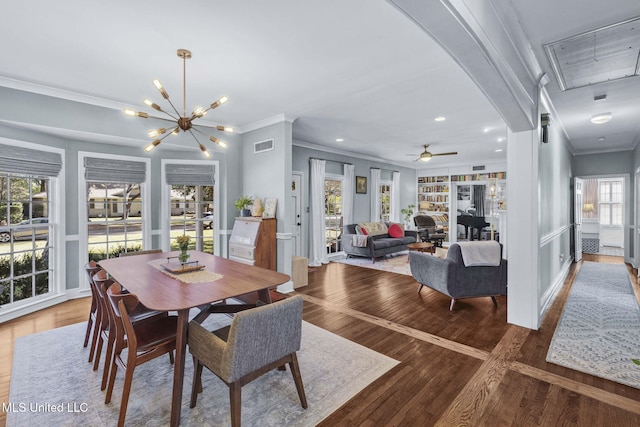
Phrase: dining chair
x=257 y=341
x=144 y=341
x=91 y=268
x=109 y=322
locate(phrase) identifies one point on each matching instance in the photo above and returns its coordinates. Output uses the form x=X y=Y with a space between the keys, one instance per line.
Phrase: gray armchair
x=257 y=341
x=451 y=277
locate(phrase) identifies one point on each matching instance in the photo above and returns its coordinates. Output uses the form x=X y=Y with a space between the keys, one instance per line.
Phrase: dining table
x=207 y=281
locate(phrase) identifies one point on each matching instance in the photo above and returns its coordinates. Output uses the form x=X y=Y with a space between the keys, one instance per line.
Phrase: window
x=114 y=223
x=26 y=237
x=333 y=212
x=385 y=200
x=193 y=214
x=610 y=202
x=114 y=208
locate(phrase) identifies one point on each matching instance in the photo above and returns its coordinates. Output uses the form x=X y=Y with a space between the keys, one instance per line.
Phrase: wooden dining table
x=159 y=290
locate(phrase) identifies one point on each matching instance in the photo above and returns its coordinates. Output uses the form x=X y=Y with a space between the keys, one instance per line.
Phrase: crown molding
x=278 y=118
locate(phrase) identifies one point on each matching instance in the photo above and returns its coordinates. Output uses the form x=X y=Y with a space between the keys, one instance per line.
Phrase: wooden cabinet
x=253 y=242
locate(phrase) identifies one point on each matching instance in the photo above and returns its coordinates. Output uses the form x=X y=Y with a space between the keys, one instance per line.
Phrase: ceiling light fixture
x=600 y=119
x=182 y=122
x=501 y=139
x=499 y=150
x=440 y=119
x=339 y=140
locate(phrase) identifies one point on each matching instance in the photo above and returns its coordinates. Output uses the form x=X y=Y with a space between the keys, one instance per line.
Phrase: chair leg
x=112 y=379
x=235 y=397
x=196 y=385
x=171 y=359
x=126 y=389
x=89 y=327
x=420 y=288
x=108 y=360
x=96 y=357
x=495 y=301
x=297 y=378
x=453 y=301
x=94 y=338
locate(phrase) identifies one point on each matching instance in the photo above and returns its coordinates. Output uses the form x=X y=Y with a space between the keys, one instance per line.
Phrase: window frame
x=57 y=265
x=388 y=183
x=166 y=205
x=607 y=206
x=83 y=206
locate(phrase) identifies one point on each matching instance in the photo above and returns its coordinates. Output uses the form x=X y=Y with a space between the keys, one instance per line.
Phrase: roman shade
x=28 y=161
x=181 y=174
x=114 y=170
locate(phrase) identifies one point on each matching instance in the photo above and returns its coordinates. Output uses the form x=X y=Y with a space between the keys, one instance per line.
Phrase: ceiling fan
x=425 y=156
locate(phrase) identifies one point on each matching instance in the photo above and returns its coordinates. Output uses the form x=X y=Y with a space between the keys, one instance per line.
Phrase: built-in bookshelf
x=433 y=194
x=479 y=176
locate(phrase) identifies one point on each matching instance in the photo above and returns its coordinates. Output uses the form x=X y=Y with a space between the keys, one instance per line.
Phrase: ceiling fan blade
x=445 y=154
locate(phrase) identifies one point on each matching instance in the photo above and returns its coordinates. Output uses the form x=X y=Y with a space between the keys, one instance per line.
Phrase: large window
x=333 y=213
x=192 y=214
x=610 y=202
x=114 y=219
x=26 y=237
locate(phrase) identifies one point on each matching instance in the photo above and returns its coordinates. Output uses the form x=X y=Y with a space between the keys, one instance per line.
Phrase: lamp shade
x=588 y=207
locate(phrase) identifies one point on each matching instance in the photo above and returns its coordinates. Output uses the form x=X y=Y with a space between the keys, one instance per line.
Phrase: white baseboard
x=549 y=296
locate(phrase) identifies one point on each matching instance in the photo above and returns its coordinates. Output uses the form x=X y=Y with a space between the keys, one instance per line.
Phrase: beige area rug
x=52 y=384
x=395 y=263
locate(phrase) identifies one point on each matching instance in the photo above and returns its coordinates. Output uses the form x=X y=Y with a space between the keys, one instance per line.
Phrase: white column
x=523 y=235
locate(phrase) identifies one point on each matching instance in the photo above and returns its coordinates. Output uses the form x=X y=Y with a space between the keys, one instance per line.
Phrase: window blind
x=114 y=170
x=28 y=161
x=189 y=174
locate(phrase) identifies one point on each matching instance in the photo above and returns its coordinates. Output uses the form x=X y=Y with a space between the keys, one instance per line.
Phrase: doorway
x=605 y=216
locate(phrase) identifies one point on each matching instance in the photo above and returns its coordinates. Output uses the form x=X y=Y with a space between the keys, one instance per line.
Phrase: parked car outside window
x=27 y=232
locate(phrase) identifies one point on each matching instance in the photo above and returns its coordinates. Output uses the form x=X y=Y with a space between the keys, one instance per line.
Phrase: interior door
x=296 y=226
x=577 y=209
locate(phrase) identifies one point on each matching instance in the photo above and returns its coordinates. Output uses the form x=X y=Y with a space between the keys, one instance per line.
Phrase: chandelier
x=180 y=122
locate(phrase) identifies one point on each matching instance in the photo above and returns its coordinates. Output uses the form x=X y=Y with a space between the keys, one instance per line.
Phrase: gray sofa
x=450 y=276
x=377 y=246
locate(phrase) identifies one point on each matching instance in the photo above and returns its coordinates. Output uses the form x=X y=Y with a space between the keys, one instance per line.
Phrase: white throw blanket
x=480 y=253
x=360 y=240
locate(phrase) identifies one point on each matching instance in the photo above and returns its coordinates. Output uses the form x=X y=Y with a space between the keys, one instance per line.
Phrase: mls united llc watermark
x=70 y=407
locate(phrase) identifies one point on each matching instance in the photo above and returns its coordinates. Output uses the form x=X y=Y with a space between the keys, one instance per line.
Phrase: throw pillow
x=441 y=252
x=395 y=230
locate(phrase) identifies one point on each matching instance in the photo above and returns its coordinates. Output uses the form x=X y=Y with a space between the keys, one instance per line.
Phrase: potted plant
x=242 y=204
x=408 y=213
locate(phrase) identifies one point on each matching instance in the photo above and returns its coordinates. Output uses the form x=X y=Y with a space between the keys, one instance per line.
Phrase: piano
x=475 y=222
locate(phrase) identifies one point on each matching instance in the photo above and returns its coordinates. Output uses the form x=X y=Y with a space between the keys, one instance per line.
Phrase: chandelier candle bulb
x=153 y=145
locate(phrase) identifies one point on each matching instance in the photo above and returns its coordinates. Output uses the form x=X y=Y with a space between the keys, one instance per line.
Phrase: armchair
x=426 y=226
x=451 y=277
x=257 y=341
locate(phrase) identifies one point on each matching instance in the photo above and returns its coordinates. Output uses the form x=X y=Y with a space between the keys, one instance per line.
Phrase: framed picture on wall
x=361 y=185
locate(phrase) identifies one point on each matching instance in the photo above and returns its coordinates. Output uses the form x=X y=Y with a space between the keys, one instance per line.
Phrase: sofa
x=376 y=242
x=449 y=275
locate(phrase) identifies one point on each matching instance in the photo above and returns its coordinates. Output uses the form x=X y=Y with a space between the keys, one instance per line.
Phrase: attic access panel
x=597 y=56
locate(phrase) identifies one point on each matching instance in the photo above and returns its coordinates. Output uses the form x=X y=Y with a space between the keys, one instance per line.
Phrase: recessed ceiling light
x=440 y=119
x=339 y=140
x=485 y=130
x=501 y=139
x=601 y=139
x=498 y=150
x=600 y=119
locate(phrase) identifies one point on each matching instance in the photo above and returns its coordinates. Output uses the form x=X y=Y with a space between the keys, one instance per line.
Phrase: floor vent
x=262 y=146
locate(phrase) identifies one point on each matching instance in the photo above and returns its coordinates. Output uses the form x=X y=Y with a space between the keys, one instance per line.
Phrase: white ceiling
x=357 y=70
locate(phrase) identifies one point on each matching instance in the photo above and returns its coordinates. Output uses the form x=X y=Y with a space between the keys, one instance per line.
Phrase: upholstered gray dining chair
x=257 y=341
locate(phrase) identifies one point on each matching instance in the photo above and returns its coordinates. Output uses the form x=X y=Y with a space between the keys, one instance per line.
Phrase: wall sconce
x=545 y=122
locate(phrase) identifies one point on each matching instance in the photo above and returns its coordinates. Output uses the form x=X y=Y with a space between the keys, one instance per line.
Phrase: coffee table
x=421 y=247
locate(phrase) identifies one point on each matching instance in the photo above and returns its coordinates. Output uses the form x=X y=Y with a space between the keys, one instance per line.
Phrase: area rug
x=52 y=384
x=599 y=331
x=394 y=263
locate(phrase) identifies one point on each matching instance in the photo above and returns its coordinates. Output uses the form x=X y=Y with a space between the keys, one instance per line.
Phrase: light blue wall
x=362 y=202
x=555 y=212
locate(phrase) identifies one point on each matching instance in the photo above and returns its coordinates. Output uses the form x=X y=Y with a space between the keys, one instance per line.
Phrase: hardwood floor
x=465 y=367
